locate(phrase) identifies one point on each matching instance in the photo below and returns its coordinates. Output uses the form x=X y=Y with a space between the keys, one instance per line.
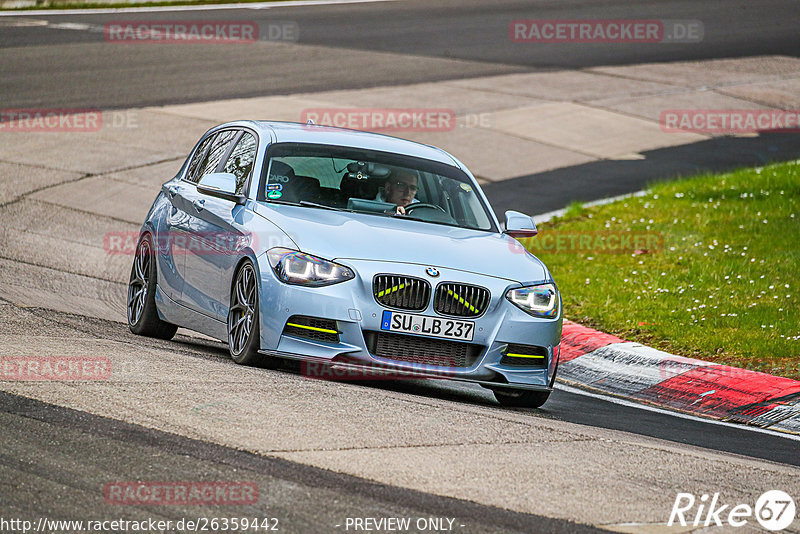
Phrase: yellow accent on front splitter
x=312 y=328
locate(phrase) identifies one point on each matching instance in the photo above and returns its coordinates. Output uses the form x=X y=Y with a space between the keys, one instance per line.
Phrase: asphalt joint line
x=50 y=268
x=85 y=212
x=78 y=179
x=43 y=188
x=434 y=445
x=42 y=313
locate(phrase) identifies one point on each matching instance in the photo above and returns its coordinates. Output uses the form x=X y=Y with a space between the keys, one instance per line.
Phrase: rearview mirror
x=519 y=225
x=220 y=185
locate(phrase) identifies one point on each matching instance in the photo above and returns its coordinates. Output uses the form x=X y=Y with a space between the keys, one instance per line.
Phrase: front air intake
x=525 y=356
x=422 y=350
x=313 y=328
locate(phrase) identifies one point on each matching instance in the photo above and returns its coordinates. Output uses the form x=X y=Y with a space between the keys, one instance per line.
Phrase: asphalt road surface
x=67 y=484
x=63 y=61
x=68 y=64
x=58 y=459
x=321 y=452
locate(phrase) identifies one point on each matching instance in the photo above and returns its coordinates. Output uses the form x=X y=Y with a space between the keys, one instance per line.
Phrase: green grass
x=575 y=209
x=725 y=285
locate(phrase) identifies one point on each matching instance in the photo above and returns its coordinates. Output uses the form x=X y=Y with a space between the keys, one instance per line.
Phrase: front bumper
x=358 y=315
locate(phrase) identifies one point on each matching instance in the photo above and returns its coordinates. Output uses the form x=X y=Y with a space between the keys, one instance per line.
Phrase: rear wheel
x=243 y=332
x=143 y=316
x=518 y=398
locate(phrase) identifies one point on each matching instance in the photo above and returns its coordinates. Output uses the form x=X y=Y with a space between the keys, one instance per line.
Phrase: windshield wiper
x=323 y=206
x=303 y=203
x=409 y=217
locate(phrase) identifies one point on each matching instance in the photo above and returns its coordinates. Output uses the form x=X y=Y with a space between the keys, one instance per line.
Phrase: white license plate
x=428 y=326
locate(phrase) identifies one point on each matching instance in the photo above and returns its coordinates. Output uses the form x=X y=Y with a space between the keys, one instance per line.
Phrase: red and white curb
x=593 y=360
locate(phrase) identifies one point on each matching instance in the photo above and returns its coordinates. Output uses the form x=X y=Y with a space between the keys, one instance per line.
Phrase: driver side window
x=240 y=162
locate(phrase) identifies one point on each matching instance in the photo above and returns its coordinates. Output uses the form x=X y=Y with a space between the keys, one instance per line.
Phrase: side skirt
x=174 y=313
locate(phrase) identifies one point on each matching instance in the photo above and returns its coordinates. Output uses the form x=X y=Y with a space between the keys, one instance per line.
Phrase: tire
x=143 y=319
x=244 y=336
x=521 y=398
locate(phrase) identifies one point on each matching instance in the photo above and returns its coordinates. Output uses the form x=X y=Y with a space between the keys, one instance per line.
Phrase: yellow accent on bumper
x=513 y=355
x=315 y=329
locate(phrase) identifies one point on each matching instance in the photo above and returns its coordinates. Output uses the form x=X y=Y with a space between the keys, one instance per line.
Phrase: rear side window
x=216 y=151
x=240 y=162
x=197 y=158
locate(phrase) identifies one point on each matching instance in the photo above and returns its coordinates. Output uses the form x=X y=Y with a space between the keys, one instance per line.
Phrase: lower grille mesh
x=525 y=356
x=414 y=349
x=312 y=328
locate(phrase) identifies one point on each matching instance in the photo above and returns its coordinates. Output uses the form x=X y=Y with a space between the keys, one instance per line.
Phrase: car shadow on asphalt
x=440 y=389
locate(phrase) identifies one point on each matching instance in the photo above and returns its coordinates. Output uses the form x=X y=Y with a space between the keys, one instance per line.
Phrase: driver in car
x=400 y=189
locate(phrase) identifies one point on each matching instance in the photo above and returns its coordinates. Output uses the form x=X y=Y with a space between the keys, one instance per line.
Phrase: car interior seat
x=293 y=187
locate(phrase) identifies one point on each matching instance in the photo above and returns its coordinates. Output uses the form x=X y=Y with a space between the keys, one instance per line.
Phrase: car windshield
x=365 y=181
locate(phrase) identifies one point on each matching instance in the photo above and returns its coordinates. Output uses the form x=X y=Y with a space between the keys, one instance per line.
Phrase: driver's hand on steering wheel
x=400 y=210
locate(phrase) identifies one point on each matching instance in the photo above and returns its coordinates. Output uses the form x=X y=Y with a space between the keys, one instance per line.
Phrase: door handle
x=199 y=204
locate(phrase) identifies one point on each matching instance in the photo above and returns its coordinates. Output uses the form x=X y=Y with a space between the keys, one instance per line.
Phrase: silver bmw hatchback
x=360 y=254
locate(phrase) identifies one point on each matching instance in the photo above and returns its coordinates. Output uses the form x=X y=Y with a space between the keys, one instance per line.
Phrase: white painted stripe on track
x=206 y=7
x=544 y=217
x=630 y=404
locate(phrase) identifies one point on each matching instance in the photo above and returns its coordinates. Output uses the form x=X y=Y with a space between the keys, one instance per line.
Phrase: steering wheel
x=424 y=205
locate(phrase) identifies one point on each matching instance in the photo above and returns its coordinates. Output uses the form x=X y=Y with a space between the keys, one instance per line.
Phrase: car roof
x=294 y=132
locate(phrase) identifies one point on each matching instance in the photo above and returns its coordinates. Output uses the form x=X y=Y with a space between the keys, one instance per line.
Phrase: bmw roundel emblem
x=432 y=271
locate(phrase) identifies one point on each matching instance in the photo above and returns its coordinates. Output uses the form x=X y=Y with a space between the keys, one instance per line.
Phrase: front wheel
x=243 y=332
x=143 y=316
x=521 y=398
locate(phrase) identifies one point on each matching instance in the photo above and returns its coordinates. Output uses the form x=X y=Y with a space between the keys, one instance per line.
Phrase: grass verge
x=706 y=267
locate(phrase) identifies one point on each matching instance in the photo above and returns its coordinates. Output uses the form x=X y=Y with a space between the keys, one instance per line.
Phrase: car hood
x=339 y=236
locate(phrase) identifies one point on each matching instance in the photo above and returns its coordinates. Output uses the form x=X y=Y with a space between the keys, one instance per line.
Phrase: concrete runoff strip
x=518 y=124
x=12 y=5
x=601 y=362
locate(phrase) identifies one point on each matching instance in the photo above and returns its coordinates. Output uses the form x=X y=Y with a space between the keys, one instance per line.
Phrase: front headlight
x=295 y=267
x=540 y=300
